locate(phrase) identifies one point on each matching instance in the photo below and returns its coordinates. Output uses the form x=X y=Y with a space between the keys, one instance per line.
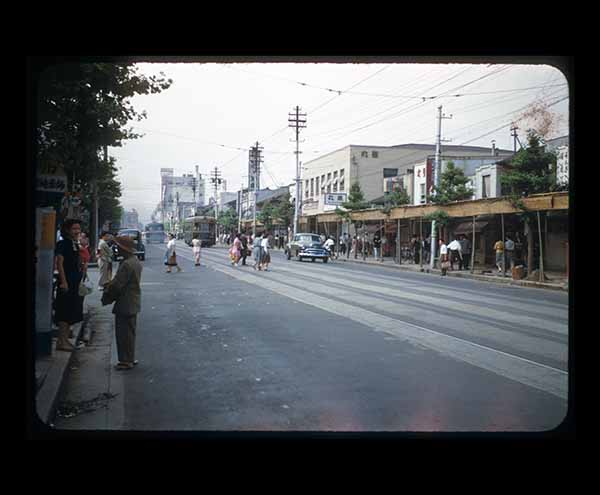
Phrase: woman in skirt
x=171 y=256
x=68 y=308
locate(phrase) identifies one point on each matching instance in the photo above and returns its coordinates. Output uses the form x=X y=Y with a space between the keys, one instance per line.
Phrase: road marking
x=558 y=328
x=523 y=343
x=525 y=371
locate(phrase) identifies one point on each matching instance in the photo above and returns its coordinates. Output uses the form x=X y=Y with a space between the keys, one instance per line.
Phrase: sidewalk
x=558 y=281
x=51 y=371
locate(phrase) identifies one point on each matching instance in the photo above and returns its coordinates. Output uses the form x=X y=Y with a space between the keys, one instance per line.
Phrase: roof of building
x=419 y=146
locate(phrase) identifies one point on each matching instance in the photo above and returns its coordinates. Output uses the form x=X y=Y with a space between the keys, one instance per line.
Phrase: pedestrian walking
x=509 y=247
x=104 y=255
x=125 y=291
x=355 y=246
x=170 y=255
x=499 y=248
x=84 y=253
x=235 y=250
x=377 y=246
x=257 y=252
x=465 y=248
x=348 y=244
x=418 y=243
x=68 y=306
x=342 y=246
x=244 y=240
x=427 y=249
x=444 y=262
x=455 y=253
x=328 y=245
x=265 y=254
x=196 y=247
x=276 y=241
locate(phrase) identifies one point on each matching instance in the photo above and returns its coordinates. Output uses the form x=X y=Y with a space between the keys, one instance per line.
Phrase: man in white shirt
x=443 y=256
x=265 y=255
x=455 y=253
x=328 y=244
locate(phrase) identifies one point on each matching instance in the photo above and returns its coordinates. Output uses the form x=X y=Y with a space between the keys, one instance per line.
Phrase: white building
x=180 y=196
x=374 y=167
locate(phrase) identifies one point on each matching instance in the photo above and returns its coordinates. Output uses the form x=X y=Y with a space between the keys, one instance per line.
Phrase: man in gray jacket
x=124 y=290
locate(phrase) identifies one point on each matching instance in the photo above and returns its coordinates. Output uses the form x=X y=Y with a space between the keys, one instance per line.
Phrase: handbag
x=445 y=264
x=85 y=286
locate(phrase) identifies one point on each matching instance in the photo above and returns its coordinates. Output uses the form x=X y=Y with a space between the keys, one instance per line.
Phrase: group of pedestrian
x=72 y=256
x=458 y=251
x=261 y=252
x=505 y=251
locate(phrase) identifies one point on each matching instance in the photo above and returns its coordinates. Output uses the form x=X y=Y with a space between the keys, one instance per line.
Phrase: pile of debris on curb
x=69 y=409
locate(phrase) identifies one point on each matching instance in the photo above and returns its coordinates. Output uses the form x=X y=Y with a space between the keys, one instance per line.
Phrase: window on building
x=341 y=173
x=335 y=174
x=341 y=185
x=422 y=193
x=375 y=154
x=317 y=190
x=329 y=188
x=306 y=188
x=328 y=176
x=322 y=180
x=390 y=172
x=364 y=154
x=485 y=189
x=335 y=186
x=312 y=185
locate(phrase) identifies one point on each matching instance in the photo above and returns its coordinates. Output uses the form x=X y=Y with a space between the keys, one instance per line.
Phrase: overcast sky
x=212 y=109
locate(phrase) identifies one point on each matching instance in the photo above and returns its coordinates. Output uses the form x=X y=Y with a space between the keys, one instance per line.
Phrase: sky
x=213 y=112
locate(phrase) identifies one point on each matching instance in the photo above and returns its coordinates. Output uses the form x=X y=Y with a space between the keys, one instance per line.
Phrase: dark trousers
x=454 y=258
x=465 y=261
x=125 y=327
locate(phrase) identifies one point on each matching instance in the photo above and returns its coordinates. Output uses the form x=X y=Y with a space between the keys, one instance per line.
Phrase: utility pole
x=255 y=161
x=216 y=180
x=516 y=140
x=296 y=120
x=436 y=180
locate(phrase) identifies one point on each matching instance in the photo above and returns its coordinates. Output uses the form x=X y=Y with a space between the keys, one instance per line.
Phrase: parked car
x=306 y=245
x=136 y=235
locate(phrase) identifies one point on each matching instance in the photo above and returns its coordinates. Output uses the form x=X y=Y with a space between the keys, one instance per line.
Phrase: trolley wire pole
x=297 y=120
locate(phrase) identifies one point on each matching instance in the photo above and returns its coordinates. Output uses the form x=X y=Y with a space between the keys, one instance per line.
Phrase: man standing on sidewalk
x=455 y=254
x=124 y=290
x=499 y=247
x=465 y=245
x=509 y=246
x=377 y=247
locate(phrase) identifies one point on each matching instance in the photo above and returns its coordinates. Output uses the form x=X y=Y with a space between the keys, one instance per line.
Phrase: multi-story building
x=180 y=195
x=375 y=167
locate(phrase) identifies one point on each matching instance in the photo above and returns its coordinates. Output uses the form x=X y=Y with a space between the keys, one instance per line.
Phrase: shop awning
x=467 y=227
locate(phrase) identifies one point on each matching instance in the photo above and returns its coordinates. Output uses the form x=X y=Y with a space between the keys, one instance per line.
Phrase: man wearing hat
x=124 y=290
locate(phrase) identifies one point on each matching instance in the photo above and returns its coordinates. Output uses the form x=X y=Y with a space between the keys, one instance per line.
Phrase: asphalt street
x=341 y=347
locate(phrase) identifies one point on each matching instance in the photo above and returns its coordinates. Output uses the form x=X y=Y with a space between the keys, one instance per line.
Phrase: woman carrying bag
x=170 y=255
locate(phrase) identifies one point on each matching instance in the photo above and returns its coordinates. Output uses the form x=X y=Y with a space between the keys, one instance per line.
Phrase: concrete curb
x=53 y=371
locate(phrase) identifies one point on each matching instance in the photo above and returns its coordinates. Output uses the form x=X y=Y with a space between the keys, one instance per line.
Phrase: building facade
x=180 y=196
x=375 y=167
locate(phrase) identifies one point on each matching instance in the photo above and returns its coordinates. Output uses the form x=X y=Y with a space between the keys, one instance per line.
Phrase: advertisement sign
x=51 y=183
x=334 y=199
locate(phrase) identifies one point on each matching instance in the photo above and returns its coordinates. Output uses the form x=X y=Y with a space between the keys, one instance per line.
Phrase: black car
x=136 y=235
x=306 y=246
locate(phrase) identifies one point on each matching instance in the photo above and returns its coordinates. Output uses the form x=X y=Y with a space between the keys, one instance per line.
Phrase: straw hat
x=125 y=243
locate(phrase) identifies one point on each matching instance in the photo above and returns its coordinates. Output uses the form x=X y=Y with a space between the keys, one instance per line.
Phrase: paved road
x=343 y=347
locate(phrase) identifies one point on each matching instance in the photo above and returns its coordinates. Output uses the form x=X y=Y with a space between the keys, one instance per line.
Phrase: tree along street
x=339 y=347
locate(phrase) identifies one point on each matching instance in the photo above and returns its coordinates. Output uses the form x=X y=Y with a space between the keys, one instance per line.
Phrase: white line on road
x=522 y=370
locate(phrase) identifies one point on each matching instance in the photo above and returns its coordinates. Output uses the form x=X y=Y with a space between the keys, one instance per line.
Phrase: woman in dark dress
x=69 y=304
